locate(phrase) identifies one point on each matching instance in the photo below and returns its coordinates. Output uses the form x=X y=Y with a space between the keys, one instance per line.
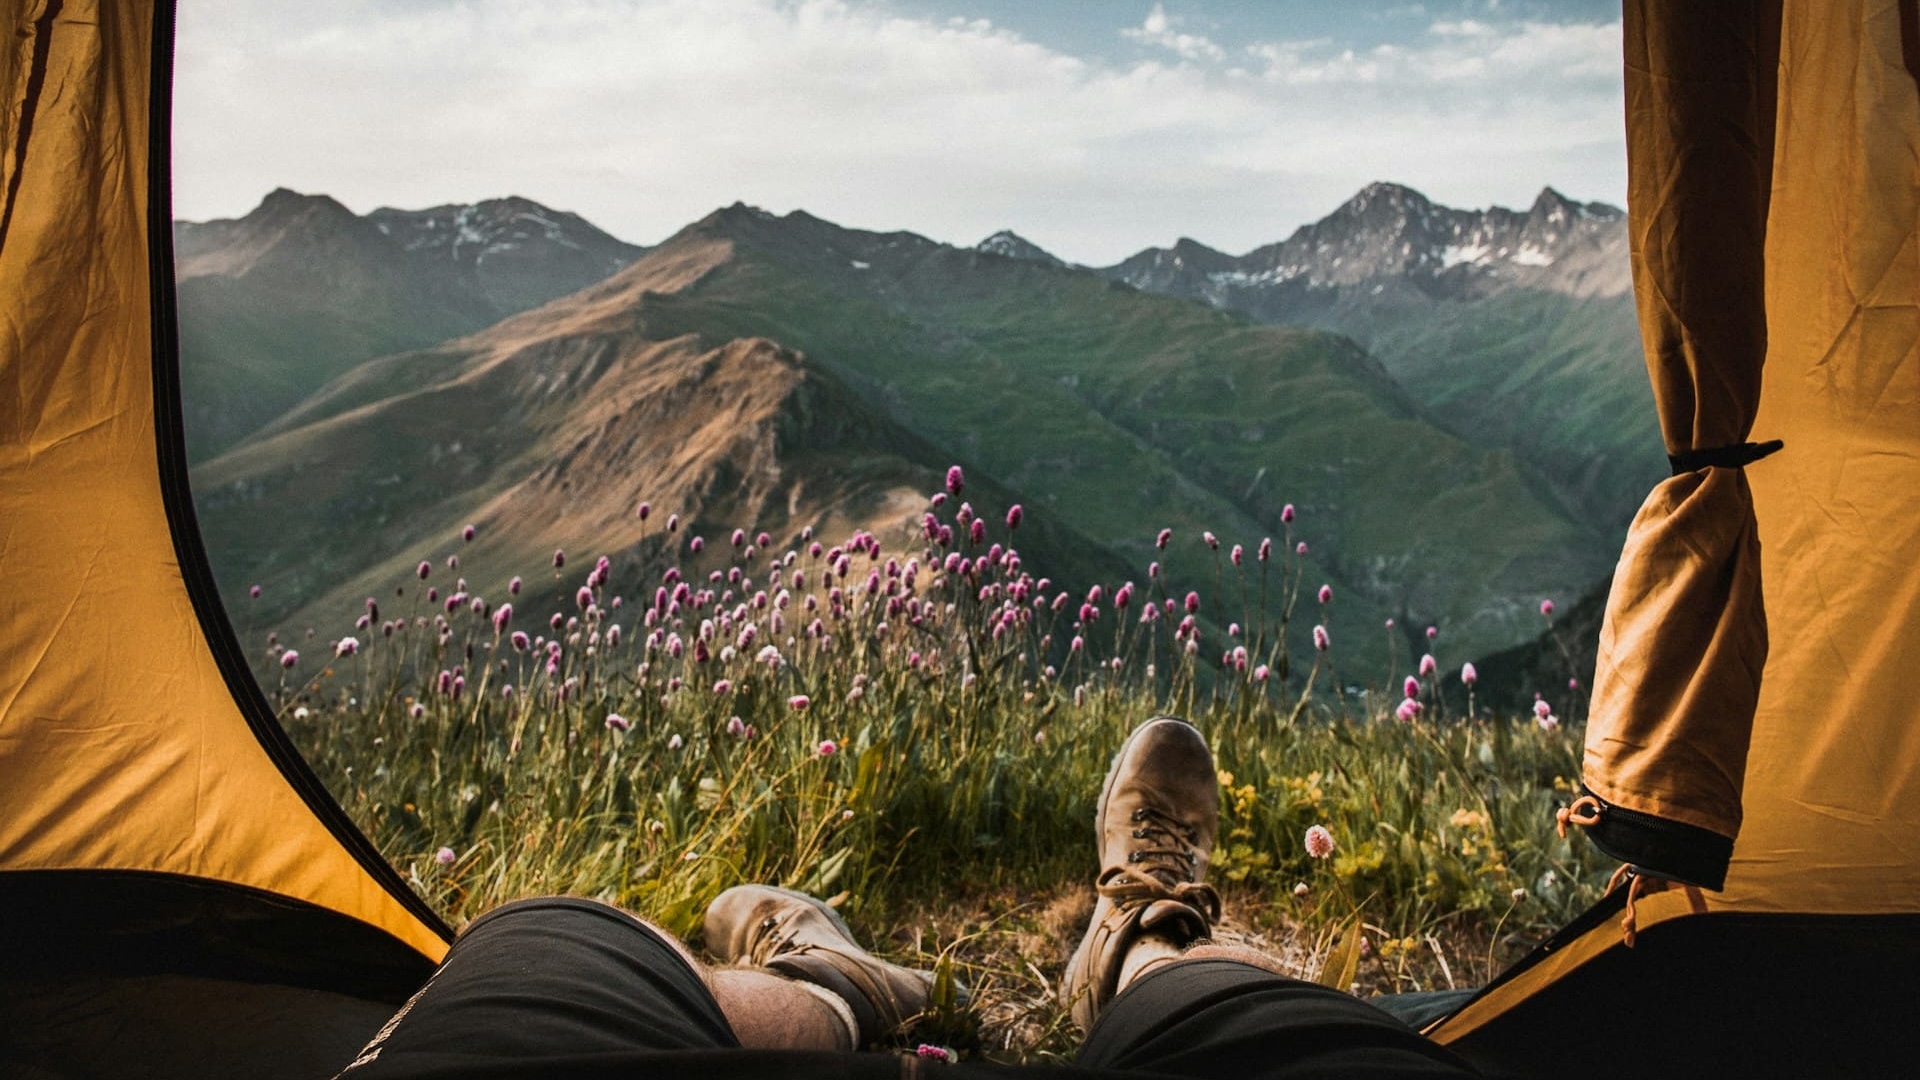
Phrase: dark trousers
x=571 y=989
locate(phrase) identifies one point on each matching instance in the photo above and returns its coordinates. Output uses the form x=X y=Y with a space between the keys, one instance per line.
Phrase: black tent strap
x=1661 y=847
x=1722 y=457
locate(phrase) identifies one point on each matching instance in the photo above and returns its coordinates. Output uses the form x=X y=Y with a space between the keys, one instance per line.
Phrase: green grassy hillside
x=1127 y=412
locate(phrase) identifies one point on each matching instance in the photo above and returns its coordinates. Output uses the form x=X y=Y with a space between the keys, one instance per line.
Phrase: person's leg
x=563 y=975
x=1154 y=994
x=1225 y=1012
x=785 y=933
x=1154 y=827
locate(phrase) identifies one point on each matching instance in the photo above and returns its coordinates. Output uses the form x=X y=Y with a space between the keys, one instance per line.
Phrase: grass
x=919 y=730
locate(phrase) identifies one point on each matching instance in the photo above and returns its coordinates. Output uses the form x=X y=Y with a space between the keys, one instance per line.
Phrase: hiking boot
x=1155 y=826
x=802 y=938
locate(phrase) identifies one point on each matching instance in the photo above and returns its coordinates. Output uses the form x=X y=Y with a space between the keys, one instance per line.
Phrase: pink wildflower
x=1300 y=548
x=1467 y=673
x=1321 y=640
x=1326 y=594
x=520 y=641
x=1428 y=665
x=1319 y=841
x=289 y=658
x=1411 y=687
x=254 y=592
x=1210 y=540
x=1409 y=710
x=1193 y=603
x=644 y=512
x=828 y=747
x=1266 y=549
x=502 y=615
x=1160 y=542
x=1014 y=513
x=1286 y=514
x=445 y=856
x=799 y=702
x=346 y=646
x=956 y=480
x=673 y=522
x=559 y=558
x=424 y=569
x=1432 y=632
x=1238 y=554
x=513 y=587
x=722 y=687
x=736 y=727
x=696 y=544
x=616 y=722
x=1546 y=608
x=467 y=534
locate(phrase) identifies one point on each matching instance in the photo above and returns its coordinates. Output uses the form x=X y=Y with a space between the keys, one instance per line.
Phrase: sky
x=1094 y=129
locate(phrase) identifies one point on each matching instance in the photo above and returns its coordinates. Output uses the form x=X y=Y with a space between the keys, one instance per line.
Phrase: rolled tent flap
x=1685 y=637
x=137 y=758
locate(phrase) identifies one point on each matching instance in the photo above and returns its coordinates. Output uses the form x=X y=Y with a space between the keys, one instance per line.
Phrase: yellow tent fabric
x=1833 y=781
x=122 y=745
x=1822 y=888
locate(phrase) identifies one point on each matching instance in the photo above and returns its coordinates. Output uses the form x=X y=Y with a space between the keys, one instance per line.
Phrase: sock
x=840 y=1009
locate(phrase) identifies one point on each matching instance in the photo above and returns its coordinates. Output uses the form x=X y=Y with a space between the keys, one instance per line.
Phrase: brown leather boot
x=1155 y=825
x=802 y=938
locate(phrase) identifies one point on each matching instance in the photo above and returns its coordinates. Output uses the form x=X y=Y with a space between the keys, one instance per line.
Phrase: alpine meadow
x=786 y=552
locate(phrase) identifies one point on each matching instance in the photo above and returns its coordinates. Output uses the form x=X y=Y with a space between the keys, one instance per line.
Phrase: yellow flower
x=1468 y=819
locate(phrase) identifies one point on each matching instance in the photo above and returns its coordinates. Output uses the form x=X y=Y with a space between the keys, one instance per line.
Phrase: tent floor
x=162 y=1027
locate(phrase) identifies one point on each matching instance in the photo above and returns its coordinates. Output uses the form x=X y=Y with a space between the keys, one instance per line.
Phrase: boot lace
x=1169 y=852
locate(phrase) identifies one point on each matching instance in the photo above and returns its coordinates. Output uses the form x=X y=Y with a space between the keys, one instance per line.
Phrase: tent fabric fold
x=125 y=745
x=1684 y=641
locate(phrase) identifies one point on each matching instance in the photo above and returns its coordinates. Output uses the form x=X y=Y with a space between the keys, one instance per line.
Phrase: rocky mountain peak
x=282 y=204
x=1012 y=245
x=1390 y=236
x=516 y=226
x=1383 y=202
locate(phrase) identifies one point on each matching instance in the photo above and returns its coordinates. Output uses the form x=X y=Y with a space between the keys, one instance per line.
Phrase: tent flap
x=1685 y=637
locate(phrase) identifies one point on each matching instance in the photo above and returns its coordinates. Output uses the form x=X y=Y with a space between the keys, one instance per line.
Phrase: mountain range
x=1511 y=328
x=775 y=372
x=275 y=304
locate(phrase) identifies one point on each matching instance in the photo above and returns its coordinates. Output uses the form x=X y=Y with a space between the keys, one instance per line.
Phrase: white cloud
x=644 y=115
x=1158 y=30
